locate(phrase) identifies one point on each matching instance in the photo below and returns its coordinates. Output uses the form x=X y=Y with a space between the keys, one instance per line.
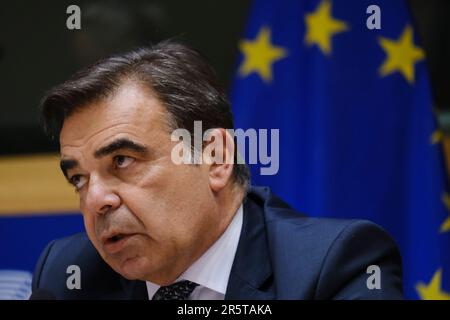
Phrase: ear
x=219 y=156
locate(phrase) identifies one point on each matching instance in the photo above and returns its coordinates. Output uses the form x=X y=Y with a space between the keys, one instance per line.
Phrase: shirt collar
x=212 y=269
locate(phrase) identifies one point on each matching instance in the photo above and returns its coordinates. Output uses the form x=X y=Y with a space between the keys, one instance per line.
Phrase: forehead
x=132 y=110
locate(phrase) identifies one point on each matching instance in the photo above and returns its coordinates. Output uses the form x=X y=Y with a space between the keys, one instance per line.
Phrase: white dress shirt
x=212 y=270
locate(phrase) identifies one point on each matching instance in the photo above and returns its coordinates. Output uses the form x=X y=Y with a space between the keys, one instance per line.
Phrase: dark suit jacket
x=281 y=255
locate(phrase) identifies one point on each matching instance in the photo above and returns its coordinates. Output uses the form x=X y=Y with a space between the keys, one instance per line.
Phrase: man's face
x=147 y=217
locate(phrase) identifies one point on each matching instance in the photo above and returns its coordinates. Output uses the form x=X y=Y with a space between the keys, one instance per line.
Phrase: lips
x=115 y=241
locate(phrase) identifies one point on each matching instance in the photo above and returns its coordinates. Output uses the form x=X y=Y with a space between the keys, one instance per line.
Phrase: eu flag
x=346 y=84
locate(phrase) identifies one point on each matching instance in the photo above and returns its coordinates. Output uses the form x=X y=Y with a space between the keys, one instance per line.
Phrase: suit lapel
x=251 y=273
x=134 y=290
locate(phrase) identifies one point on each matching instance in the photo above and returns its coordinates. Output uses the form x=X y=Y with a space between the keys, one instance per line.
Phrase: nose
x=101 y=198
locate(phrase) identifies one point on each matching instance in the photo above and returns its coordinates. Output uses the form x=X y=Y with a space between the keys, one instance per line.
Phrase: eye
x=78 y=181
x=122 y=161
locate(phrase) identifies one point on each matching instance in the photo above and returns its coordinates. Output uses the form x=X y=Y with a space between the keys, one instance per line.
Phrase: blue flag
x=346 y=85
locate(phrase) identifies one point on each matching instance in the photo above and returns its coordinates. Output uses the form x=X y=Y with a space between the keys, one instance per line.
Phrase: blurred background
x=37 y=51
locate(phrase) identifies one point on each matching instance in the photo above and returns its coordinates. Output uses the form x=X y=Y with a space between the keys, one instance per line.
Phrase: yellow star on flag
x=433 y=290
x=446 y=224
x=321 y=27
x=401 y=55
x=259 y=55
x=437 y=137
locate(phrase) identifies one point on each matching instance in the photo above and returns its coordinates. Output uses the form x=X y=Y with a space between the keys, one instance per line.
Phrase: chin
x=133 y=268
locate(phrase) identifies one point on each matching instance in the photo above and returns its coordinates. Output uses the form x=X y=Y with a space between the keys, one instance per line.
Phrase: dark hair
x=179 y=75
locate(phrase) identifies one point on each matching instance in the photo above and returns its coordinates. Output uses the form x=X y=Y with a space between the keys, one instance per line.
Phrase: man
x=156 y=229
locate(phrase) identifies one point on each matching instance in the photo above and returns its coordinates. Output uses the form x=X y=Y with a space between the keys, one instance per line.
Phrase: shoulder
x=63 y=252
x=326 y=233
x=327 y=258
x=74 y=255
x=287 y=224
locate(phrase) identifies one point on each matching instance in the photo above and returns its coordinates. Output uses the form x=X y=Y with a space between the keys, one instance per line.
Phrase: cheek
x=170 y=200
x=89 y=225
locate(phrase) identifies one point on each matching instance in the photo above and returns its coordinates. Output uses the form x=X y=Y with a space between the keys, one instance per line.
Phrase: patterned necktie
x=176 y=291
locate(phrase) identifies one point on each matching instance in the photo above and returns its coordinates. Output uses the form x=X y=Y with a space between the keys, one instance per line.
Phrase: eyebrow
x=116 y=145
x=67 y=165
x=121 y=144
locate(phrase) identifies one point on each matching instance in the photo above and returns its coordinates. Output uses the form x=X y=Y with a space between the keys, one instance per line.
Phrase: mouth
x=115 y=242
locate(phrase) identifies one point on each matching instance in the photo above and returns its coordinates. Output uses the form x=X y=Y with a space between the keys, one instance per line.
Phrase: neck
x=230 y=202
